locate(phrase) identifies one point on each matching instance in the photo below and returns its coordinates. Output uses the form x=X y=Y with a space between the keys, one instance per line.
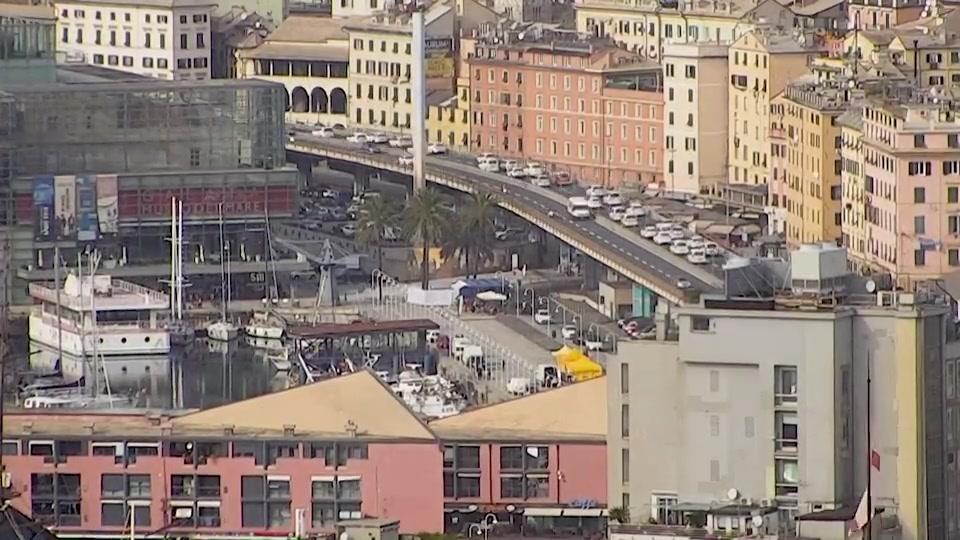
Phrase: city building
x=127 y=148
x=696 y=84
x=761 y=64
x=28 y=55
x=167 y=39
x=231 y=32
x=380 y=59
x=306 y=459
x=883 y=15
x=853 y=228
x=761 y=400
x=448 y=118
x=575 y=102
x=544 y=453
x=309 y=56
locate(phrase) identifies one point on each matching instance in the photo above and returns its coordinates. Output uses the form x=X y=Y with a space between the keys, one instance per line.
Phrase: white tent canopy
x=491 y=296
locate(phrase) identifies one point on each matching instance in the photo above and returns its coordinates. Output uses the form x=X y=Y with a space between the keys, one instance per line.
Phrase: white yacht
x=431 y=396
x=264 y=325
x=99 y=314
x=222 y=331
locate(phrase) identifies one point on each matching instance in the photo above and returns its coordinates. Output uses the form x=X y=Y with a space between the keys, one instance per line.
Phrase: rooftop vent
x=818 y=269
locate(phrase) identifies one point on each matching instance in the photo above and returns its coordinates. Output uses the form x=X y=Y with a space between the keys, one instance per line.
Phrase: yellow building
x=760 y=66
x=448 y=117
x=309 y=56
x=853 y=230
x=381 y=61
x=812 y=189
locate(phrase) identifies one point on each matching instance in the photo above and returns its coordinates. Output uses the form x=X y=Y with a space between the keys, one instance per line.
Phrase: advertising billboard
x=206 y=202
x=65 y=205
x=43 y=221
x=88 y=227
x=439 y=58
x=107 y=203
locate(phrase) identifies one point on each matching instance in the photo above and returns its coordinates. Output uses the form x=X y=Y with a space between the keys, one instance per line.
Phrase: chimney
x=90 y=428
x=27 y=428
x=228 y=430
x=289 y=429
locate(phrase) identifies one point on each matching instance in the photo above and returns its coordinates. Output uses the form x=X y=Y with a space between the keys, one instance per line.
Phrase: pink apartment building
x=911 y=188
x=337 y=450
x=579 y=105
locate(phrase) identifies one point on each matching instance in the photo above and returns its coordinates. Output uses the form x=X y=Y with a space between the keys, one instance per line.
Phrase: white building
x=167 y=39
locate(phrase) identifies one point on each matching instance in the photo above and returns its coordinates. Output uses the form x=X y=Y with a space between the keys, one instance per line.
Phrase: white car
x=683 y=284
x=533 y=169
x=435 y=149
x=712 y=249
x=595 y=203
x=489 y=165
x=596 y=191
x=662 y=239
x=510 y=164
x=616 y=213
x=613 y=199
x=677 y=233
x=378 y=138
x=400 y=142
x=679 y=247
x=325 y=132
x=350 y=229
x=630 y=221
x=648 y=231
x=541 y=181
x=697 y=256
x=569 y=331
x=406 y=160
x=359 y=138
x=635 y=211
x=693 y=243
x=542 y=316
x=485 y=156
x=516 y=172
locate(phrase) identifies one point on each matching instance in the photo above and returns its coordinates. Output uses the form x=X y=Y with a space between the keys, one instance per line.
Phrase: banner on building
x=108 y=207
x=88 y=227
x=439 y=58
x=43 y=220
x=65 y=205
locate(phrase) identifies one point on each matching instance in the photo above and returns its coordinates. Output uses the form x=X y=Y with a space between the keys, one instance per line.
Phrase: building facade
x=853 y=229
x=760 y=66
x=167 y=39
x=309 y=56
x=747 y=403
x=578 y=104
x=260 y=468
x=31 y=55
x=696 y=83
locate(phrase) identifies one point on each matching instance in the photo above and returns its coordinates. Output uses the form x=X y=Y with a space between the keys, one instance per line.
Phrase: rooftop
x=89 y=73
x=30 y=12
x=143 y=3
x=305 y=37
x=335 y=330
x=134 y=85
x=574 y=412
x=730 y=9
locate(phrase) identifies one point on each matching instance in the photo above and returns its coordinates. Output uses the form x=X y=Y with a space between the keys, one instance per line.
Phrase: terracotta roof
x=574 y=412
x=309 y=29
x=327 y=409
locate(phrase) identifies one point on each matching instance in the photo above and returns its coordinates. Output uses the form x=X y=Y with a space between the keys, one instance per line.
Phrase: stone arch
x=286 y=101
x=299 y=100
x=319 y=101
x=338 y=101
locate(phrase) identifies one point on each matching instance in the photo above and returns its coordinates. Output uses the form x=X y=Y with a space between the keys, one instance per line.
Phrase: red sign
x=205 y=202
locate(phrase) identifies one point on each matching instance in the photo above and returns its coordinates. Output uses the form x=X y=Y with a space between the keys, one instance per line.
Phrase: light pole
x=533 y=301
x=418 y=87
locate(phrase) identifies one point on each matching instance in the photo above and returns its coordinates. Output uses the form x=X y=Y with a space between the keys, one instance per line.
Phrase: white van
x=491 y=164
x=578 y=208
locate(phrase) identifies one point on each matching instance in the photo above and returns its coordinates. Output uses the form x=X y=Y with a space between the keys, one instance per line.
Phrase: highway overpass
x=622 y=251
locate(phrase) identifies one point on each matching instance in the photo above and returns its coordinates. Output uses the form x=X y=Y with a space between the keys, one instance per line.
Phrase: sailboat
x=223 y=330
x=266 y=325
x=181 y=331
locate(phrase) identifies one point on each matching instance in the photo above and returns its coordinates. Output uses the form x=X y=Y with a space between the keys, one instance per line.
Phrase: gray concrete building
x=768 y=397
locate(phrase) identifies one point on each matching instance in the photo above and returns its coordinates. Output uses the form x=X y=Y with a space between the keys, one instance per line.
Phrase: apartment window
x=126 y=39
x=98 y=59
x=335 y=498
x=163 y=41
x=690 y=72
x=336 y=455
x=55 y=499
x=714 y=425
x=624 y=378
x=787 y=432
x=200 y=41
x=953 y=224
x=919 y=168
x=662 y=507
x=79 y=35
x=265 y=502
x=113 y=38
x=524 y=472
x=625 y=420
x=461 y=471
x=183 y=41
x=919 y=225
x=953 y=256
x=920 y=257
x=785 y=385
x=128 y=61
x=191 y=486
x=787 y=477
x=953 y=140
x=97 y=36
x=919 y=141
x=123 y=495
x=64 y=35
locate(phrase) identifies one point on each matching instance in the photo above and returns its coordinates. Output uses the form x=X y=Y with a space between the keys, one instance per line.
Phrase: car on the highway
x=595 y=203
x=616 y=213
x=489 y=165
x=406 y=160
x=683 y=284
x=541 y=180
x=359 y=138
x=435 y=149
x=378 y=138
x=613 y=198
x=563 y=179
x=697 y=256
x=325 y=132
x=400 y=142
x=648 y=231
x=371 y=148
x=630 y=221
x=486 y=155
x=533 y=168
x=662 y=239
x=596 y=191
x=350 y=229
x=542 y=316
x=679 y=247
x=568 y=331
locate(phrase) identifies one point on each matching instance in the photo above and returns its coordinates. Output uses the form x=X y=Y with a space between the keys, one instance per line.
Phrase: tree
x=377 y=215
x=620 y=514
x=425 y=219
x=471 y=236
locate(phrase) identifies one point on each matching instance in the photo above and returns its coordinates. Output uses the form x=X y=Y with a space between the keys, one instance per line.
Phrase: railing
x=102 y=327
x=134 y=296
x=451 y=177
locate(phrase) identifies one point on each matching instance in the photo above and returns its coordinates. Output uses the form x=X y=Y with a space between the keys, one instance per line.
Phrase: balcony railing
x=131 y=296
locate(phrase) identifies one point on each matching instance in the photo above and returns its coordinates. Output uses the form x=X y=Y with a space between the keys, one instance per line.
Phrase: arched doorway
x=286 y=101
x=338 y=101
x=319 y=100
x=300 y=100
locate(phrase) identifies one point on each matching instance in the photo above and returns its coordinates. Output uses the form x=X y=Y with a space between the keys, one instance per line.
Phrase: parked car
x=325 y=132
x=648 y=231
x=350 y=229
x=679 y=247
x=569 y=331
x=533 y=169
x=379 y=138
x=697 y=256
x=712 y=249
x=541 y=180
x=406 y=160
x=542 y=316
x=516 y=172
x=630 y=221
x=400 y=142
x=358 y=138
x=613 y=199
x=662 y=239
x=563 y=179
x=596 y=191
x=435 y=149
x=616 y=213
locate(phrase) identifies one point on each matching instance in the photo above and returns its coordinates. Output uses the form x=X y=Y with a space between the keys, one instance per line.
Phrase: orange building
x=579 y=105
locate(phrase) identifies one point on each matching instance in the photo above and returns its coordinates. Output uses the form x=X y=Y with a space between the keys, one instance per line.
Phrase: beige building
x=167 y=39
x=696 y=82
x=448 y=116
x=771 y=402
x=309 y=56
x=760 y=65
x=853 y=229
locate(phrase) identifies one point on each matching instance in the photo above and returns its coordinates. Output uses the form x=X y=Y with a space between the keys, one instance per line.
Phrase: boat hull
x=222 y=332
x=132 y=342
x=263 y=332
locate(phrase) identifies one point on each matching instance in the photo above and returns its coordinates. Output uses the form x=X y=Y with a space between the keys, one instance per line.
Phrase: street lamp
x=533 y=302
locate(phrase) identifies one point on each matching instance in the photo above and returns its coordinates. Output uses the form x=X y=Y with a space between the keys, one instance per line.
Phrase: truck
x=545 y=376
x=579 y=208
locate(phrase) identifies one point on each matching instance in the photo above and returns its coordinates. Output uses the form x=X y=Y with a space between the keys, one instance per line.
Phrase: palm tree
x=620 y=514
x=425 y=219
x=479 y=217
x=377 y=216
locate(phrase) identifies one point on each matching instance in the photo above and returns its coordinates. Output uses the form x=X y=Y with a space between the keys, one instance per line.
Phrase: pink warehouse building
x=338 y=450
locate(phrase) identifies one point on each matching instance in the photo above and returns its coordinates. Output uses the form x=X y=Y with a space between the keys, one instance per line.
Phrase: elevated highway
x=603 y=240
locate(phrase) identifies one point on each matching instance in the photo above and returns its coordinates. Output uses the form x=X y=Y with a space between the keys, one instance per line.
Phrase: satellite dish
x=733 y=494
x=757 y=521
x=871 y=286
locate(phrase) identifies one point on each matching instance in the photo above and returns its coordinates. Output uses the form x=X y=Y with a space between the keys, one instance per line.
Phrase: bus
x=578 y=208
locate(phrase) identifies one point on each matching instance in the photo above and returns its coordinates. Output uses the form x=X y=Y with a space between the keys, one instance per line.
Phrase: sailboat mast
x=223 y=267
x=180 y=259
x=56 y=279
x=173 y=258
x=868 y=533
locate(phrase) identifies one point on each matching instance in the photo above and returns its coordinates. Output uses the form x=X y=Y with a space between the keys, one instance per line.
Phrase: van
x=489 y=164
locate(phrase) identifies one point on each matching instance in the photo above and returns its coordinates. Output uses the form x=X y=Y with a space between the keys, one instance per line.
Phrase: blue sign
x=43 y=218
x=584 y=504
x=88 y=226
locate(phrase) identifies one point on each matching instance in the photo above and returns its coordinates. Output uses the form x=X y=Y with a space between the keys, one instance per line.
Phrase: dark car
x=371 y=148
